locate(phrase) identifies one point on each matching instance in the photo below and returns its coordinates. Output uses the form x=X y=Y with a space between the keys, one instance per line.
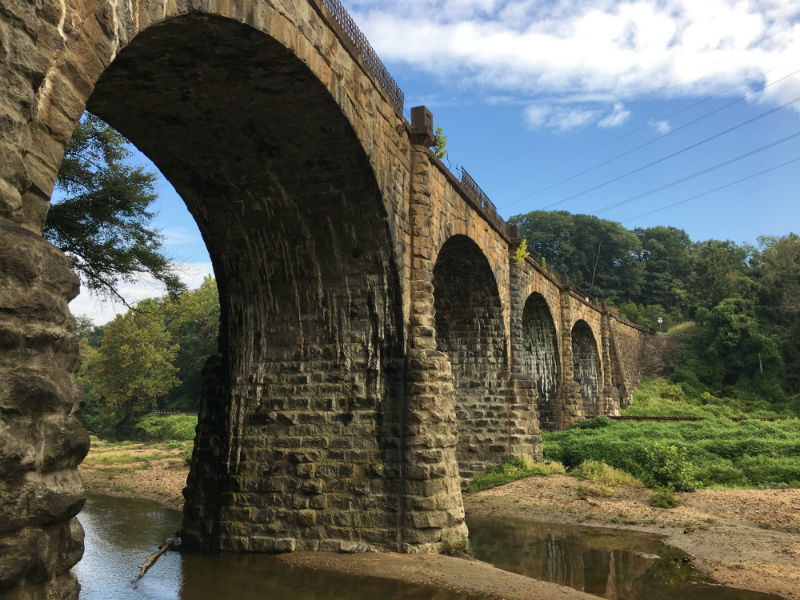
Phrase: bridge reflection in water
x=608 y=563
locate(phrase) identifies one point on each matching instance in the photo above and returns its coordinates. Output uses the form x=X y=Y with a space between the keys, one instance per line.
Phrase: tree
x=599 y=256
x=192 y=320
x=103 y=222
x=134 y=366
x=666 y=255
x=719 y=270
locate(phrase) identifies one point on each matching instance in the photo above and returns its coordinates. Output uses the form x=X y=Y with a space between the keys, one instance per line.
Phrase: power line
x=697 y=174
x=716 y=189
x=640 y=146
x=673 y=154
x=655 y=92
x=638 y=129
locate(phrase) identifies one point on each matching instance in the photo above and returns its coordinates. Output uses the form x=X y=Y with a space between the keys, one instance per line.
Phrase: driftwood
x=169 y=544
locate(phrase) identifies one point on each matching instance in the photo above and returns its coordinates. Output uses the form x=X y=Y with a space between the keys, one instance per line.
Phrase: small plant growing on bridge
x=440 y=147
x=521 y=253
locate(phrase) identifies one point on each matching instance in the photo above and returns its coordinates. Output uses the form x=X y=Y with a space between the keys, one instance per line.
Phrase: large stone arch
x=299 y=441
x=469 y=329
x=587 y=366
x=540 y=355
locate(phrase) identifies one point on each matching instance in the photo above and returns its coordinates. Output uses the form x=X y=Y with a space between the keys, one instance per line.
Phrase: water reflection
x=121 y=532
x=607 y=563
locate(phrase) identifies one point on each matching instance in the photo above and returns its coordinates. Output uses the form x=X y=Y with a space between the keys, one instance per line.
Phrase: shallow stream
x=121 y=532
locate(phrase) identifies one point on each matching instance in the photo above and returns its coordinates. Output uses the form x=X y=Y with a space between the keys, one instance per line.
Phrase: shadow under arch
x=540 y=355
x=586 y=367
x=469 y=329
x=302 y=401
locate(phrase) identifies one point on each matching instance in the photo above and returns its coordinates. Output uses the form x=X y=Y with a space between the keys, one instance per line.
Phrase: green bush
x=664 y=498
x=713 y=452
x=669 y=467
x=166 y=427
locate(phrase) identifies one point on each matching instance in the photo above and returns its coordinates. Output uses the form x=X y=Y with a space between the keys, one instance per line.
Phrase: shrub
x=166 y=427
x=457 y=547
x=596 y=423
x=669 y=467
x=664 y=498
x=604 y=475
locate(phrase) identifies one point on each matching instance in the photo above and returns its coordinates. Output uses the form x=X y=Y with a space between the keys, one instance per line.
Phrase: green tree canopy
x=192 y=320
x=102 y=218
x=134 y=368
x=600 y=257
x=667 y=260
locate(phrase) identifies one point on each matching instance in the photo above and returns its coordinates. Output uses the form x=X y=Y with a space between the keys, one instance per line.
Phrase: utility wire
x=655 y=92
x=673 y=154
x=647 y=143
x=642 y=127
x=696 y=174
x=716 y=189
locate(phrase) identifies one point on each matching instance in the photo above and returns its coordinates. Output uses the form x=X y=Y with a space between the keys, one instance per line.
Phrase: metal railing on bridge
x=362 y=46
x=482 y=201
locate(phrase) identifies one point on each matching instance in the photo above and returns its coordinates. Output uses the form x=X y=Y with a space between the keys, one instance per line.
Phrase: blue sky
x=581 y=105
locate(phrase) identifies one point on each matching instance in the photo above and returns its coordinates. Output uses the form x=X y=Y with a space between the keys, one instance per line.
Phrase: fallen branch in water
x=169 y=544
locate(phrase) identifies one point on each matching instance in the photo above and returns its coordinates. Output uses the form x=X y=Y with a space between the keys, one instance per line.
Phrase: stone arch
x=298 y=442
x=469 y=329
x=540 y=354
x=587 y=369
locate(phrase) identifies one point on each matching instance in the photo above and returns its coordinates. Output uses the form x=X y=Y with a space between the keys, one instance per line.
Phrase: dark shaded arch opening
x=297 y=445
x=586 y=366
x=540 y=354
x=469 y=328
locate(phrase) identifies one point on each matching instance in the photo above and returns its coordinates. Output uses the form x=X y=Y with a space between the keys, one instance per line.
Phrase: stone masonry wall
x=627 y=347
x=349 y=339
x=469 y=329
x=586 y=367
x=540 y=354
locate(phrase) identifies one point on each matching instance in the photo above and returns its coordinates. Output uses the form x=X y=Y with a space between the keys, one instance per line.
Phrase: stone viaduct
x=377 y=346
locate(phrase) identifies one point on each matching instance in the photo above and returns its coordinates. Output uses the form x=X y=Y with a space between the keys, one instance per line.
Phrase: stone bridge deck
x=377 y=344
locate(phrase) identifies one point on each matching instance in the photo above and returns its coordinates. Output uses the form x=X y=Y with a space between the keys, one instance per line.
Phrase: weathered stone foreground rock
x=374 y=345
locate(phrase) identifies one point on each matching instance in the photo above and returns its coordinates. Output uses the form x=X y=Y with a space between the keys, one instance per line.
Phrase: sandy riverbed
x=745 y=538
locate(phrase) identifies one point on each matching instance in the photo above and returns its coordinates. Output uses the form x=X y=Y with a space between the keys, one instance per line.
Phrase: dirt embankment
x=153 y=471
x=744 y=538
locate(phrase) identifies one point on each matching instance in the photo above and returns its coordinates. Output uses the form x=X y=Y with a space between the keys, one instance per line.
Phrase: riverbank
x=744 y=538
x=156 y=471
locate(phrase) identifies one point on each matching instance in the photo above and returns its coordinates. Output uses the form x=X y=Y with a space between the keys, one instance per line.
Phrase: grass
x=603 y=475
x=460 y=548
x=683 y=455
x=110 y=458
x=656 y=397
x=519 y=468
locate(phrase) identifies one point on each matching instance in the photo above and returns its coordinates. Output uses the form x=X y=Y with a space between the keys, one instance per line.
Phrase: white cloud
x=660 y=126
x=618 y=116
x=618 y=49
x=561 y=118
x=102 y=310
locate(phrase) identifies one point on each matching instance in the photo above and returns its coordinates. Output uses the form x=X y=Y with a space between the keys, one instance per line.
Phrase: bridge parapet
x=351 y=34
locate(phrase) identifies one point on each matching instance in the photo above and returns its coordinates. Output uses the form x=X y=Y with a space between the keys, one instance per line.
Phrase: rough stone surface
x=377 y=345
